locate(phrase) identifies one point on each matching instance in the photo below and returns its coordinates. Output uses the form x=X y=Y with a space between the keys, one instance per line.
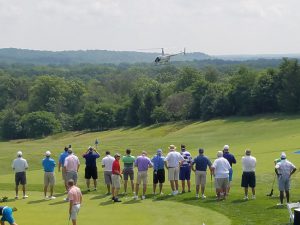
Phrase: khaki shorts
x=115 y=181
x=107 y=177
x=49 y=178
x=74 y=211
x=142 y=177
x=221 y=183
x=72 y=175
x=173 y=173
x=200 y=177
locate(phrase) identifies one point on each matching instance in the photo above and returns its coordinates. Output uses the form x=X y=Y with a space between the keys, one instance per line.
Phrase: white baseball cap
x=283 y=155
x=19 y=153
x=48 y=153
x=226 y=147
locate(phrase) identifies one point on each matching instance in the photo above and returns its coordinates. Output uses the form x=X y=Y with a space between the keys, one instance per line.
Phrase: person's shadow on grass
x=98 y=197
x=36 y=201
x=109 y=202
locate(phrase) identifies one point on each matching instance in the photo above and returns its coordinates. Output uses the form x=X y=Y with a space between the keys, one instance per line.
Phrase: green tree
x=41 y=123
x=133 y=111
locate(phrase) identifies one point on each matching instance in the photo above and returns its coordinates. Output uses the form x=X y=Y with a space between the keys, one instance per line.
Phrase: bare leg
x=51 y=190
x=95 y=184
x=17 y=190
x=132 y=185
x=137 y=187
x=74 y=222
x=45 y=191
x=160 y=187
x=189 y=185
x=144 y=189
x=113 y=192
x=125 y=186
x=202 y=189
x=88 y=183
x=176 y=184
x=154 y=188
x=182 y=185
x=246 y=191
x=24 y=190
x=172 y=185
x=253 y=191
x=108 y=188
x=197 y=189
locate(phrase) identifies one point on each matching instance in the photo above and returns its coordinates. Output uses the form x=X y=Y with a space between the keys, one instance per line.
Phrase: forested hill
x=24 y=56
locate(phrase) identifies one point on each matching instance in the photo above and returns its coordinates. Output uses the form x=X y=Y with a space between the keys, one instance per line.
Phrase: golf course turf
x=267 y=136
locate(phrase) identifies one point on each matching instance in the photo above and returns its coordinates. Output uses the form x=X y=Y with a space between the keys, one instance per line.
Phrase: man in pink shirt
x=71 y=166
x=75 y=199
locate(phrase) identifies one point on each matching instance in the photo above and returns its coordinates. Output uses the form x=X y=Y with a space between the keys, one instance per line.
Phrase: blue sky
x=210 y=26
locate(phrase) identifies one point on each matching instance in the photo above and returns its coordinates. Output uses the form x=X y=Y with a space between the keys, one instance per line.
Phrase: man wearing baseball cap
x=284 y=170
x=49 y=178
x=20 y=166
x=158 y=171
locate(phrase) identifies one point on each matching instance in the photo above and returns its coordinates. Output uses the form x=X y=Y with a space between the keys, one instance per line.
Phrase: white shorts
x=74 y=211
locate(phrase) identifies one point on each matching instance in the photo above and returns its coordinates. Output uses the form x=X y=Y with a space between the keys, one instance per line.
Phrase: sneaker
x=95 y=189
x=197 y=196
x=46 y=198
x=154 y=193
x=25 y=196
x=253 y=197
x=135 y=197
x=176 y=192
x=52 y=197
x=203 y=197
x=88 y=190
x=117 y=200
x=17 y=197
x=66 y=199
x=143 y=197
x=189 y=190
x=182 y=192
x=161 y=193
x=113 y=198
x=108 y=193
x=246 y=198
x=279 y=204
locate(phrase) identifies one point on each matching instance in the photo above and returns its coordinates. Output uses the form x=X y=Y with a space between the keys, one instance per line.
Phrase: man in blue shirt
x=230 y=158
x=61 y=163
x=158 y=162
x=202 y=162
x=49 y=179
x=6 y=213
x=91 y=167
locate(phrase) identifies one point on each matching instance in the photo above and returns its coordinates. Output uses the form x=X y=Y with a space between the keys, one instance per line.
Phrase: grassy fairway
x=266 y=136
x=100 y=209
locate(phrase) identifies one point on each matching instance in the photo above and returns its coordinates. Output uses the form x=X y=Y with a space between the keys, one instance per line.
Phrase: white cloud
x=212 y=26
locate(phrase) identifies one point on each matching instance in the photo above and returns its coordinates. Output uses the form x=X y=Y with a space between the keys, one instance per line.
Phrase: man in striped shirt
x=185 y=169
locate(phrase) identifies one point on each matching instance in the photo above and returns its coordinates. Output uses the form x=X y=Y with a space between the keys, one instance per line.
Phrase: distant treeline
x=40 y=100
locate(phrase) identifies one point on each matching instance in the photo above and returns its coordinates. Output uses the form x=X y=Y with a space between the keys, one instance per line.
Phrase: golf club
x=271 y=193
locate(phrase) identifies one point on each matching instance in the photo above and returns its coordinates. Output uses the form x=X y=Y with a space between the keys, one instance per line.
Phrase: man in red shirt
x=116 y=176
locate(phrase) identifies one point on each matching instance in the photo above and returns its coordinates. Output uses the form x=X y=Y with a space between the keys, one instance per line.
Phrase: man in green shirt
x=128 y=161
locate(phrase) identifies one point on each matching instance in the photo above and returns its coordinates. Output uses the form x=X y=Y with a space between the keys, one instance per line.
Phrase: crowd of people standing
x=178 y=165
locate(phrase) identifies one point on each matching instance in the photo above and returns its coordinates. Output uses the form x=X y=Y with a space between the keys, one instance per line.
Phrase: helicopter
x=165 y=58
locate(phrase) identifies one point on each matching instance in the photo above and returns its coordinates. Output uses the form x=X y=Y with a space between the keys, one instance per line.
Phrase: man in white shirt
x=220 y=170
x=20 y=166
x=248 y=177
x=284 y=170
x=107 y=162
x=71 y=166
x=172 y=162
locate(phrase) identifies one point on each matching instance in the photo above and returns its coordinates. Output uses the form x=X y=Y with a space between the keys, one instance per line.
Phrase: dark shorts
x=230 y=174
x=91 y=171
x=128 y=172
x=185 y=173
x=20 y=178
x=248 y=179
x=159 y=176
